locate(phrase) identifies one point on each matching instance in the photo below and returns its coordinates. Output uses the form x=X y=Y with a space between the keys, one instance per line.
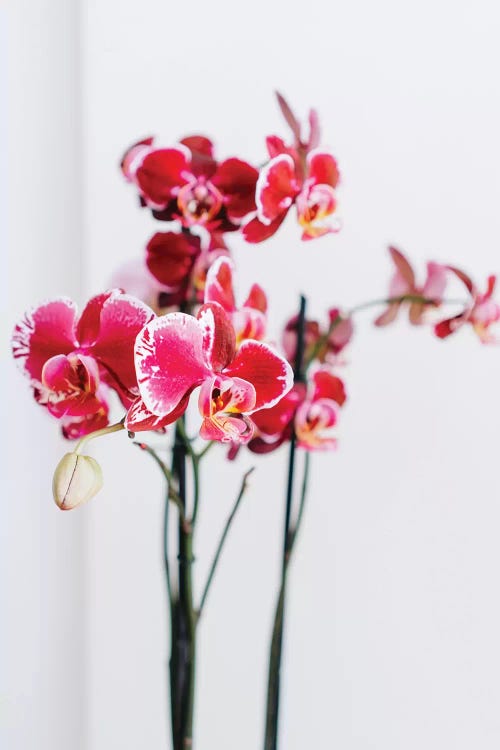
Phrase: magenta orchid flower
x=249 y=321
x=482 y=312
x=179 y=261
x=72 y=361
x=323 y=345
x=311 y=411
x=403 y=284
x=275 y=426
x=300 y=174
x=317 y=415
x=283 y=183
x=186 y=183
x=176 y=353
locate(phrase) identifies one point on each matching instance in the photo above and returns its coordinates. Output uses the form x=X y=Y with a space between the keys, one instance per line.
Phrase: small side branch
x=222 y=540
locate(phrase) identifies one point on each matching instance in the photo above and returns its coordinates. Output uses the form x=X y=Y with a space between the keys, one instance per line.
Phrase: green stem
x=409 y=298
x=183 y=625
x=222 y=540
x=273 y=685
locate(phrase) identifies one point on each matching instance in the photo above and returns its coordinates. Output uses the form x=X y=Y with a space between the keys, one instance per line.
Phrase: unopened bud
x=76 y=479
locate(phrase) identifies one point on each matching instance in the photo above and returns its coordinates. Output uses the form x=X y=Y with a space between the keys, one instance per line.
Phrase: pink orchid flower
x=317 y=415
x=310 y=410
x=334 y=343
x=280 y=186
x=275 y=426
x=482 y=312
x=249 y=321
x=300 y=175
x=72 y=360
x=176 y=353
x=70 y=388
x=187 y=184
x=403 y=284
x=180 y=261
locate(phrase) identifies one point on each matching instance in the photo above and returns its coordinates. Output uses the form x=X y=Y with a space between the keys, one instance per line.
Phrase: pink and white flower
x=176 y=353
x=310 y=411
x=317 y=415
x=300 y=174
x=403 y=284
x=482 y=312
x=249 y=320
x=179 y=261
x=310 y=187
x=186 y=183
x=72 y=361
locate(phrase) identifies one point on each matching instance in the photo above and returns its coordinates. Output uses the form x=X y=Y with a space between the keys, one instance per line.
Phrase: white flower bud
x=76 y=479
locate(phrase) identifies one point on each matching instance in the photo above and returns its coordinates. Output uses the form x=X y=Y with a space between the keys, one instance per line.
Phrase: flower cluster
x=196 y=334
x=479 y=310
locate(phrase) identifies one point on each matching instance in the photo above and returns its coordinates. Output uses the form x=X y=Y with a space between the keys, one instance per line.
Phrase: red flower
x=177 y=352
x=280 y=185
x=300 y=175
x=481 y=312
x=317 y=415
x=70 y=360
x=323 y=345
x=275 y=426
x=179 y=261
x=187 y=184
x=403 y=284
x=249 y=321
x=309 y=411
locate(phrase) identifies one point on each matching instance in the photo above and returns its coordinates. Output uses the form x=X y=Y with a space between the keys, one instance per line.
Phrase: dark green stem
x=273 y=685
x=183 y=626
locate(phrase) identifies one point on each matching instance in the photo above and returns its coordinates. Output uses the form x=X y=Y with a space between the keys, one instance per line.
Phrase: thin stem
x=195 y=463
x=171 y=493
x=99 y=433
x=273 y=691
x=303 y=494
x=222 y=540
x=409 y=298
x=166 y=561
x=205 y=450
x=273 y=687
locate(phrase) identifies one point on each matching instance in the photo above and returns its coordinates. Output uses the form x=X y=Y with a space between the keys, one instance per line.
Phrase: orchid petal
x=161 y=172
x=267 y=371
x=219 y=340
x=170 y=361
x=435 y=283
x=257 y=299
x=276 y=188
x=140 y=419
x=236 y=180
x=171 y=256
x=403 y=266
x=328 y=386
x=255 y=231
x=44 y=332
x=122 y=318
x=322 y=169
x=219 y=284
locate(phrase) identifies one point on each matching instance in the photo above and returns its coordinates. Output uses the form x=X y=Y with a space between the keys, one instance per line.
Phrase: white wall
x=393 y=620
x=42 y=664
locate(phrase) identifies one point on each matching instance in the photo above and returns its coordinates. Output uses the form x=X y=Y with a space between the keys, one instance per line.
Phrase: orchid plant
x=175 y=327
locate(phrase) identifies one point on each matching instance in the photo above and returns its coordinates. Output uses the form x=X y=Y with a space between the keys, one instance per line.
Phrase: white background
x=392 y=638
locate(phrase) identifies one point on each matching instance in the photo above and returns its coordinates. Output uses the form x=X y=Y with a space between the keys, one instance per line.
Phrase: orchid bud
x=76 y=479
